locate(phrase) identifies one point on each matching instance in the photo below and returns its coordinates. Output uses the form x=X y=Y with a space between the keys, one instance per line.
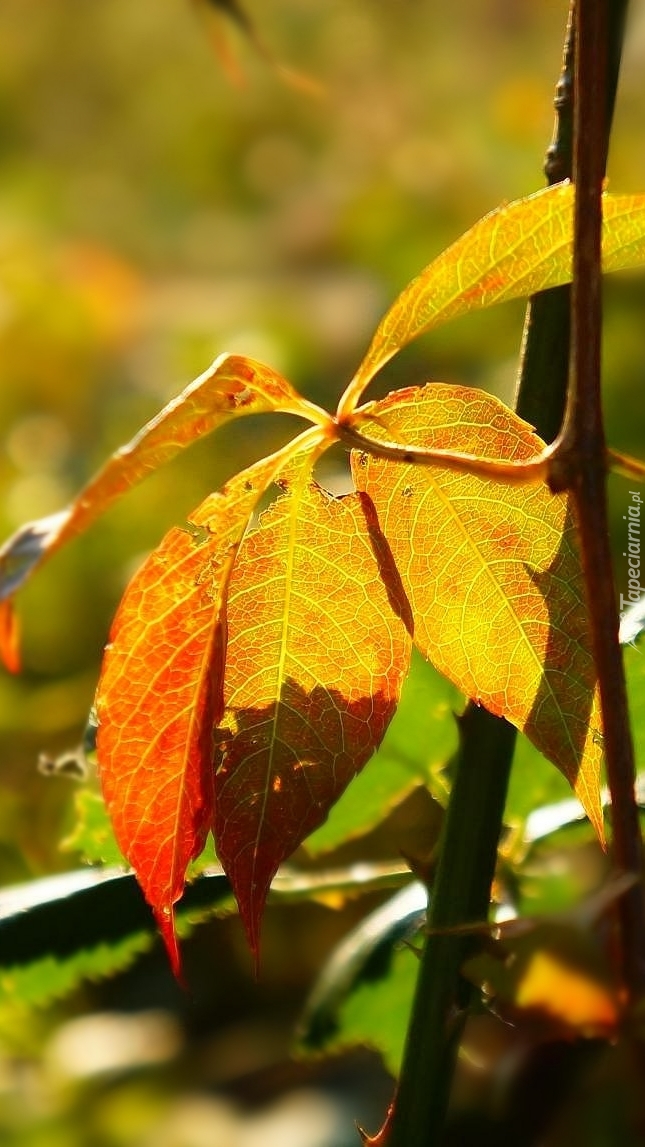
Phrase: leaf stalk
x=525 y=473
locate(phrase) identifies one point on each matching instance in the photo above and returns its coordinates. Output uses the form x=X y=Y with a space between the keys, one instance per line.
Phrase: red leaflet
x=9 y=637
x=160 y=693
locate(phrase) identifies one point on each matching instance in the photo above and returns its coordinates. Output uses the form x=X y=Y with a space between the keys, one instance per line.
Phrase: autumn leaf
x=9 y=637
x=556 y=968
x=492 y=573
x=220 y=12
x=516 y=250
x=160 y=691
x=318 y=646
x=232 y=386
x=568 y=994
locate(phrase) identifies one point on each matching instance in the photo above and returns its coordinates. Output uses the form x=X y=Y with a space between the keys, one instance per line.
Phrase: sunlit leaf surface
x=9 y=637
x=318 y=648
x=231 y=387
x=160 y=693
x=516 y=250
x=492 y=573
x=41 y=982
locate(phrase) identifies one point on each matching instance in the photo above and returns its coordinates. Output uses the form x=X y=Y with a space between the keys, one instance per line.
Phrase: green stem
x=544 y=363
x=461 y=892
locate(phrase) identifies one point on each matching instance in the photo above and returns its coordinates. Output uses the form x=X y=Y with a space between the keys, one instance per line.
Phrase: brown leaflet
x=318 y=646
x=493 y=574
x=160 y=692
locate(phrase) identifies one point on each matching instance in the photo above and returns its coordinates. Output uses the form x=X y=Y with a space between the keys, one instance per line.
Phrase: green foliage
x=377 y=1011
x=92 y=837
x=41 y=982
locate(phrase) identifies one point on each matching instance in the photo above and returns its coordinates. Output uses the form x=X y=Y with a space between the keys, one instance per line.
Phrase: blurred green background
x=160 y=204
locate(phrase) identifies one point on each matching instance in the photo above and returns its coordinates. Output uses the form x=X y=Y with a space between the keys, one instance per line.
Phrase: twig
x=626 y=465
x=580 y=466
x=460 y=893
x=542 y=377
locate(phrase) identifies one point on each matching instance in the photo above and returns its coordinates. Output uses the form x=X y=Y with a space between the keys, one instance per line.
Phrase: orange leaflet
x=516 y=250
x=568 y=994
x=9 y=637
x=160 y=692
x=492 y=573
x=318 y=645
x=232 y=386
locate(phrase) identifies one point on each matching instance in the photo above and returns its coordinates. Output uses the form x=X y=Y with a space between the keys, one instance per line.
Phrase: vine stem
x=580 y=465
x=460 y=893
x=474 y=818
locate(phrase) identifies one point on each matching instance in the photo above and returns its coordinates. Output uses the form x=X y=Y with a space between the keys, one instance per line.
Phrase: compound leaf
x=492 y=573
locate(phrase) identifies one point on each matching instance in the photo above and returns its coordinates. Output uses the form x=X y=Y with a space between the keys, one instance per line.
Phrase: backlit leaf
x=232 y=386
x=376 y=1013
x=160 y=692
x=516 y=250
x=318 y=648
x=567 y=994
x=492 y=573
x=59 y=930
x=556 y=967
x=9 y=637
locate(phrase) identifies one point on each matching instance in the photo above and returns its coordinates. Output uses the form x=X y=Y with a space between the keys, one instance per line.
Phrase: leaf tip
x=587 y=789
x=251 y=901
x=251 y=916
x=165 y=919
